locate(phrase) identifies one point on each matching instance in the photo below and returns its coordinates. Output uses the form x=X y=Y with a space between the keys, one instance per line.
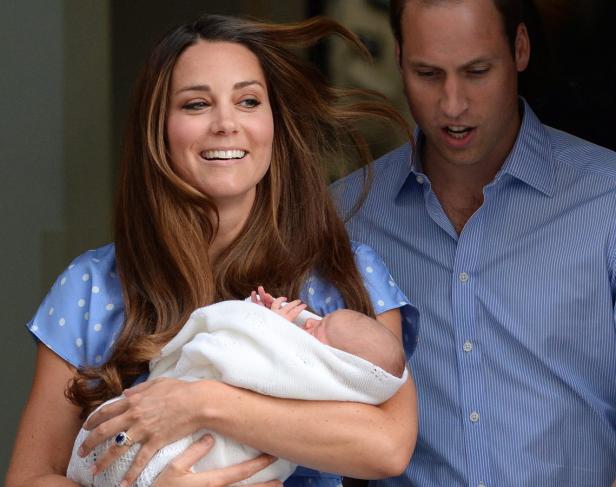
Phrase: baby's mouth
x=212 y=155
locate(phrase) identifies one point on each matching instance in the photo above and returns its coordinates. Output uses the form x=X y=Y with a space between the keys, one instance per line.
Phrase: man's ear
x=398 y=53
x=522 y=48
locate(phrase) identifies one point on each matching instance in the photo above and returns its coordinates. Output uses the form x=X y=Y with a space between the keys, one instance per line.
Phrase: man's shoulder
x=582 y=155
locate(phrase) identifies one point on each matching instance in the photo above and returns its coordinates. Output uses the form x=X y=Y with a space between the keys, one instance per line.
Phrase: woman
x=220 y=190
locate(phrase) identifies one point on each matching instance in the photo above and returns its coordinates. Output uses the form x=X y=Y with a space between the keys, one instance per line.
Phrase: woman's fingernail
x=81 y=452
x=124 y=483
x=93 y=469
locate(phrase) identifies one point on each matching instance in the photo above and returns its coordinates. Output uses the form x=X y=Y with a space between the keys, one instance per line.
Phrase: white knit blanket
x=248 y=346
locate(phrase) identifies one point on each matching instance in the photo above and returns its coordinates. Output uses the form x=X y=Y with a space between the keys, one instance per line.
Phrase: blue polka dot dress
x=83 y=313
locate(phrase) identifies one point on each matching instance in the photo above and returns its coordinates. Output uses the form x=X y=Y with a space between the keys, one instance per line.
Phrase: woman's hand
x=178 y=472
x=154 y=414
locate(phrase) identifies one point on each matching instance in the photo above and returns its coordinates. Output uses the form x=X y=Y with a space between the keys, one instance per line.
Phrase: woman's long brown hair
x=163 y=226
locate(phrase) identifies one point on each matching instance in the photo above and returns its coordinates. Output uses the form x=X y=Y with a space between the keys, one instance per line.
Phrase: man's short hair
x=511 y=11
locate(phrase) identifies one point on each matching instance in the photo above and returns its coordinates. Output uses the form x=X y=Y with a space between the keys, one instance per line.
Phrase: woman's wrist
x=212 y=399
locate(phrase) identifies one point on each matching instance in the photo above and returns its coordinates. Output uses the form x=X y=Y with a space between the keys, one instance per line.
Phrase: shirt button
x=474 y=416
x=464 y=277
x=419 y=179
x=481 y=484
x=468 y=346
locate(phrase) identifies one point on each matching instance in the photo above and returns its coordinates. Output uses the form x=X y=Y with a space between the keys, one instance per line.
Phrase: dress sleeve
x=385 y=294
x=83 y=311
x=383 y=291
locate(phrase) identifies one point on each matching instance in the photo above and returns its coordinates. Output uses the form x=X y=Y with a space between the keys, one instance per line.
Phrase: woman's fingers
x=105 y=413
x=193 y=453
x=147 y=451
x=235 y=473
x=111 y=455
x=178 y=472
x=100 y=433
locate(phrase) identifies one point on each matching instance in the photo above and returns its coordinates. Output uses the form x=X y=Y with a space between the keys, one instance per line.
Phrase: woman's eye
x=250 y=102
x=195 y=105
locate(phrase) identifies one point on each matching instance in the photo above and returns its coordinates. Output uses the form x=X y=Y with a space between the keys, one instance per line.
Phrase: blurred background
x=67 y=70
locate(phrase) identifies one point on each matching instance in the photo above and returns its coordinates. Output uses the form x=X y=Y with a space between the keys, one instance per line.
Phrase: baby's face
x=318 y=328
x=328 y=330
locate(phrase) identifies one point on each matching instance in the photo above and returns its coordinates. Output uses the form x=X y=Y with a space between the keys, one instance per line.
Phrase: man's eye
x=426 y=74
x=478 y=71
x=250 y=102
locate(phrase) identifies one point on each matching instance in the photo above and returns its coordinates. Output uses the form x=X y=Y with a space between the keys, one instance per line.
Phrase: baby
x=344 y=329
x=349 y=357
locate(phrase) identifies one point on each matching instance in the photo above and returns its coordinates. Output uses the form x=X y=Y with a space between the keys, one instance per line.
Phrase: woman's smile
x=220 y=126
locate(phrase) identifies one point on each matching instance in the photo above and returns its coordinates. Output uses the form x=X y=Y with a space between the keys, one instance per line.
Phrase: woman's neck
x=231 y=220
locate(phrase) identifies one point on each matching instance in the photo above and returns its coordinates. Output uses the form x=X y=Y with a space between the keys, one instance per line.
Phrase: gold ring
x=122 y=439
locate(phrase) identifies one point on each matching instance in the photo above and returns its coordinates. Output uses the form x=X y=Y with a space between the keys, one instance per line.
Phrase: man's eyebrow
x=473 y=62
x=422 y=64
x=480 y=60
x=237 y=86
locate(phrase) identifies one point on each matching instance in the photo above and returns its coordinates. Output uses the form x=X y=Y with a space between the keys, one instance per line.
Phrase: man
x=503 y=232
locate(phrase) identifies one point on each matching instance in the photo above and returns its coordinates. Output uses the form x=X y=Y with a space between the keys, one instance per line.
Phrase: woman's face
x=220 y=127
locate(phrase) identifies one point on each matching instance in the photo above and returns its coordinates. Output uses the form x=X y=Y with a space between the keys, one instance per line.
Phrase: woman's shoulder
x=370 y=265
x=383 y=291
x=83 y=310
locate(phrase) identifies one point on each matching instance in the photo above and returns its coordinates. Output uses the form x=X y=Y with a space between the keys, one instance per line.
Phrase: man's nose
x=453 y=102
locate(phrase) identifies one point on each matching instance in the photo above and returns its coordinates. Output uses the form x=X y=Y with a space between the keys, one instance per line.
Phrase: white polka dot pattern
x=81 y=314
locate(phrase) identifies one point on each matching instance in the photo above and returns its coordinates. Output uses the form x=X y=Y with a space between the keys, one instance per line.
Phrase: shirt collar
x=405 y=163
x=530 y=160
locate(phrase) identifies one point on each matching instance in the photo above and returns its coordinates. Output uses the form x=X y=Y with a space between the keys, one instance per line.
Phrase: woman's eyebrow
x=237 y=86
x=194 y=88
x=244 y=84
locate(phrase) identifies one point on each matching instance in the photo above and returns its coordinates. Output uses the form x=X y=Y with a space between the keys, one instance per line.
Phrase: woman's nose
x=224 y=121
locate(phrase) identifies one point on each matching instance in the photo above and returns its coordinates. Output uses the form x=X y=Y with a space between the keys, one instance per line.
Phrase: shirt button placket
x=467 y=320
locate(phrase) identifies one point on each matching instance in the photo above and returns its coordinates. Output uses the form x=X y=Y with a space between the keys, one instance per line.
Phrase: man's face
x=461 y=80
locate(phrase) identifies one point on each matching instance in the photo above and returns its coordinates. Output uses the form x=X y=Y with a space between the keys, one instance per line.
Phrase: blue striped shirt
x=516 y=360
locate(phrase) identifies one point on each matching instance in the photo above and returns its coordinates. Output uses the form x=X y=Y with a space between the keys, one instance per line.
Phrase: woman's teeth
x=457 y=132
x=223 y=154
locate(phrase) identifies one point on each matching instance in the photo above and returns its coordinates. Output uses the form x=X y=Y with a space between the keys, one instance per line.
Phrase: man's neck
x=459 y=188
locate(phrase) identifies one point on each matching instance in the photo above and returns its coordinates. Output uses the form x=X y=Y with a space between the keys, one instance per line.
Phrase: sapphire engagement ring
x=122 y=439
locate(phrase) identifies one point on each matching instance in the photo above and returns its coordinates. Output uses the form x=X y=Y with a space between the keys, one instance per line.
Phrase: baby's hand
x=261 y=297
x=290 y=311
